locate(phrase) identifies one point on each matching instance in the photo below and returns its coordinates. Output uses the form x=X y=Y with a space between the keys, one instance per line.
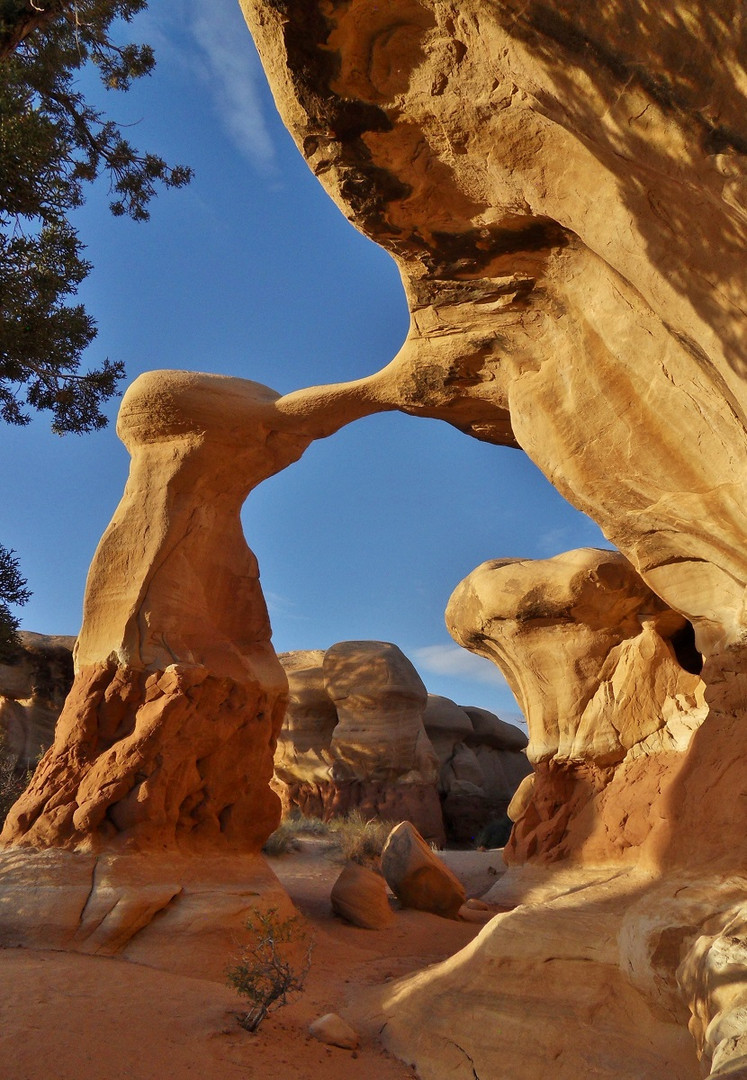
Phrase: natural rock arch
x=167 y=737
x=564 y=193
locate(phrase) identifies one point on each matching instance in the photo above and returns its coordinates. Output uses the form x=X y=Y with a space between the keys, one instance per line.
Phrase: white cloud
x=281 y=607
x=457 y=663
x=234 y=76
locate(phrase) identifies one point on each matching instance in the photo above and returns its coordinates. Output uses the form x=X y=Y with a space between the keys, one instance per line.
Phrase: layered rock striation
x=609 y=680
x=362 y=733
x=563 y=189
x=167 y=738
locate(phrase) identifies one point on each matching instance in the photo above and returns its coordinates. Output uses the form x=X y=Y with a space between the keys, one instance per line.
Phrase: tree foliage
x=12 y=591
x=272 y=965
x=52 y=144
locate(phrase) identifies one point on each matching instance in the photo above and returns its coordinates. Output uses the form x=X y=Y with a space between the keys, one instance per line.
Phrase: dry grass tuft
x=353 y=836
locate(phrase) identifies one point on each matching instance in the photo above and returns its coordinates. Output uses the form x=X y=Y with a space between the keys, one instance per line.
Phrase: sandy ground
x=65 y=1016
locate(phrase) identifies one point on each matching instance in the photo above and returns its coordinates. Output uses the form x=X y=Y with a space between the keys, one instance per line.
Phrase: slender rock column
x=167 y=737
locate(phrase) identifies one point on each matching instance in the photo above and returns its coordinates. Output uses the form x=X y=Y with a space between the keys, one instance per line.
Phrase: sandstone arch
x=564 y=193
x=166 y=740
x=563 y=190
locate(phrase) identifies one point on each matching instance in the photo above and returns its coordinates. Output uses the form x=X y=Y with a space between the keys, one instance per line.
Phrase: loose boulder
x=334 y=1031
x=417 y=876
x=359 y=896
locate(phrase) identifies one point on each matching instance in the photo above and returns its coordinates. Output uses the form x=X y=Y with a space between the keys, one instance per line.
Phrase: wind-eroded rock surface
x=608 y=678
x=361 y=732
x=167 y=737
x=563 y=188
x=535 y=170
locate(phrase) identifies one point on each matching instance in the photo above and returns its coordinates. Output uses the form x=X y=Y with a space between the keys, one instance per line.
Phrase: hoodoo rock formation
x=609 y=681
x=167 y=737
x=564 y=190
x=482 y=763
x=361 y=732
x=353 y=737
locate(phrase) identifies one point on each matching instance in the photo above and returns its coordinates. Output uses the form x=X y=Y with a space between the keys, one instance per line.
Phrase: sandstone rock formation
x=482 y=764
x=167 y=737
x=163 y=909
x=562 y=186
x=417 y=877
x=588 y=330
x=361 y=732
x=353 y=737
x=33 y=689
x=303 y=754
x=600 y=666
x=359 y=895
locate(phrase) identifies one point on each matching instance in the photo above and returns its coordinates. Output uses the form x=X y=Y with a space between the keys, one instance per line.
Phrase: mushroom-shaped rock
x=353 y=737
x=359 y=895
x=417 y=877
x=167 y=737
x=587 y=648
x=596 y=661
x=380 y=701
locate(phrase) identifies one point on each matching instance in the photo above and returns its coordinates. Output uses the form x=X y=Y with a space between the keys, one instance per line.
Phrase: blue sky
x=252 y=271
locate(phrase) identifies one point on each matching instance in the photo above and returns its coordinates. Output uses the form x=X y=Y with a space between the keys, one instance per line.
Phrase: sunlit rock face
x=178 y=694
x=380 y=700
x=33 y=688
x=534 y=169
x=562 y=186
x=167 y=737
x=362 y=733
x=353 y=737
x=303 y=754
x=600 y=666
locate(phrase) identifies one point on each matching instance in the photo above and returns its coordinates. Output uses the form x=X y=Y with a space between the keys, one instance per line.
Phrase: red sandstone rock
x=417 y=877
x=167 y=737
x=359 y=895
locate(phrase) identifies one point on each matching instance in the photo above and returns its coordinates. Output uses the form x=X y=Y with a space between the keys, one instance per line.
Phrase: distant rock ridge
x=33 y=688
x=361 y=732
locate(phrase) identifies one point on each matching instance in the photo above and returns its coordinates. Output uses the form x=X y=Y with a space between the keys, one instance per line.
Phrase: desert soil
x=65 y=1016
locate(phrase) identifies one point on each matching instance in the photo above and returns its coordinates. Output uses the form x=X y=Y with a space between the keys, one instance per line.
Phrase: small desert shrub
x=268 y=968
x=307 y=826
x=360 y=840
x=282 y=840
x=354 y=836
